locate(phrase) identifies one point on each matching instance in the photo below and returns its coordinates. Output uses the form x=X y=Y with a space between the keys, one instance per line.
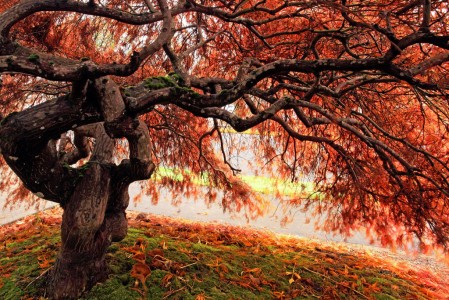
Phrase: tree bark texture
x=93 y=194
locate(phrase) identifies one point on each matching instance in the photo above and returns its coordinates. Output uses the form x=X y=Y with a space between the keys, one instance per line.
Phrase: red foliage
x=367 y=121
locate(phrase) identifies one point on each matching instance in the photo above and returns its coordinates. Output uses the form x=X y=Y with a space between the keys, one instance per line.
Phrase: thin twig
x=174 y=292
x=38 y=277
x=186 y=266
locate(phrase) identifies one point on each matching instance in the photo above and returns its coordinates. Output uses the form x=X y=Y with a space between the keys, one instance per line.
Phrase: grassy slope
x=163 y=258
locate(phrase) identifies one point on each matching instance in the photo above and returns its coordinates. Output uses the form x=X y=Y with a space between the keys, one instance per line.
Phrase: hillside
x=165 y=258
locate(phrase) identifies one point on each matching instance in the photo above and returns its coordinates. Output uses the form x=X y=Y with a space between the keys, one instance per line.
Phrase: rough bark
x=94 y=195
x=85 y=234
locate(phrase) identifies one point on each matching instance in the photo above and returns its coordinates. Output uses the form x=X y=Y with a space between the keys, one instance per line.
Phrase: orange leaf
x=154 y=252
x=140 y=271
x=44 y=262
x=253 y=270
x=246 y=243
x=279 y=295
x=200 y=297
x=139 y=256
x=166 y=280
x=374 y=288
x=254 y=280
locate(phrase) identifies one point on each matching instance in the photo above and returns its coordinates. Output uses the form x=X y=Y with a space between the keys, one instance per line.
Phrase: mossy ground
x=162 y=258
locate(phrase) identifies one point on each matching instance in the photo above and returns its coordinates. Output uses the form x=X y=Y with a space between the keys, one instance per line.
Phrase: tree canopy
x=352 y=93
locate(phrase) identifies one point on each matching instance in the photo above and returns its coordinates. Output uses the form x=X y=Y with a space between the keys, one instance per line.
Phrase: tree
x=353 y=93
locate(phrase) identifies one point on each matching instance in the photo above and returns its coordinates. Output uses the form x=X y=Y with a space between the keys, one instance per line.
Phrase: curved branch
x=29 y=7
x=21 y=59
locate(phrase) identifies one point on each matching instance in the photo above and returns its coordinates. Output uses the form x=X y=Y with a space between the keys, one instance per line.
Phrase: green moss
x=198 y=247
x=80 y=171
x=34 y=58
x=175 y=76
x=154 y=284
x=112 y=289
x=10 y=290
x=119 y=263
x=159 y=82
x=171 y=80
x=184 y=90
x=215 y=270
x=385 y=297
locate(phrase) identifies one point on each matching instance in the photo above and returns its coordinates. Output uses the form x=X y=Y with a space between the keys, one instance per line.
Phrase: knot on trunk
x=123 y=126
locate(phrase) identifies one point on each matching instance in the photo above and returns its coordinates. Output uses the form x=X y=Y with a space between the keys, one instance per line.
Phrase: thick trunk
x=94 y=195
x=80 y=263
x=78 y=270
x=80 y=266
x=75 y=273
x=93 y=218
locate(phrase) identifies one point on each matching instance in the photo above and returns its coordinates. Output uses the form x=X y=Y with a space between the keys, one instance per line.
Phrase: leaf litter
x=165 y=258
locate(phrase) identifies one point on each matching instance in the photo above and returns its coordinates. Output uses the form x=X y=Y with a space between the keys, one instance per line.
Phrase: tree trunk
x=93 y=218
x=81 y=263
x=94 y=195
x=76 y=272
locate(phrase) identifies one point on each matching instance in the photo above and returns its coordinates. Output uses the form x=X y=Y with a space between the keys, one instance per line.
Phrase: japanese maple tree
x=96 y=94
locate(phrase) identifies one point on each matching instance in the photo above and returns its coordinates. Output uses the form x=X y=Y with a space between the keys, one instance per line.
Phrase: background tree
x=353 y=93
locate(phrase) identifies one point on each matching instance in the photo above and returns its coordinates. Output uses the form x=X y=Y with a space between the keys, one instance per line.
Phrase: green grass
x=198 y=261
x=260 y=184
